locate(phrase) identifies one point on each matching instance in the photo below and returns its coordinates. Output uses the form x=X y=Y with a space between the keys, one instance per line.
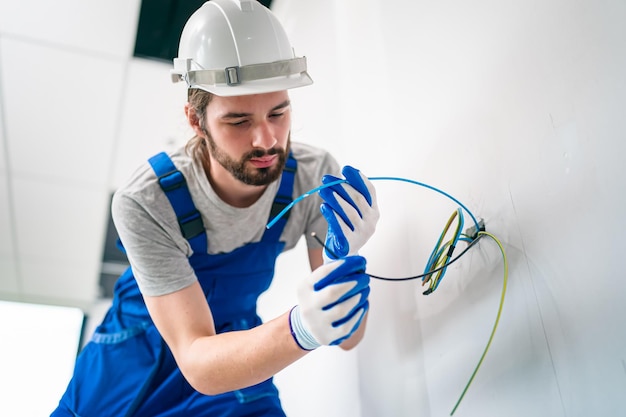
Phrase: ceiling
x=78 y=112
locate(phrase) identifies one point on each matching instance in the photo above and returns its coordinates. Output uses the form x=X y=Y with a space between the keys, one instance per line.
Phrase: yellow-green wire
x=495 y=326
x=444 y=256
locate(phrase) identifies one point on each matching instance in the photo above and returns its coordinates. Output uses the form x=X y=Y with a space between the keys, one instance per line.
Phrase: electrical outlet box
x=472 y=233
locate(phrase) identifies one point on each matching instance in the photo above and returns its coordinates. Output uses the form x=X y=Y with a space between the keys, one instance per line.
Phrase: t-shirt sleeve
x=317 y=223
x=160 y=264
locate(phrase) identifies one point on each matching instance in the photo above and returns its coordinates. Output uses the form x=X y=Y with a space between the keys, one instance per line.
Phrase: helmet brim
x=257 y=86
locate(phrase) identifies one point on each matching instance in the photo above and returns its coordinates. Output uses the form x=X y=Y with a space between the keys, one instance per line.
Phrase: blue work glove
x=332 y=302
x=351 y=210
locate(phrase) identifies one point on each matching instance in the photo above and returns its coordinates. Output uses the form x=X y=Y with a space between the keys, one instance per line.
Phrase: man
x=182 y=336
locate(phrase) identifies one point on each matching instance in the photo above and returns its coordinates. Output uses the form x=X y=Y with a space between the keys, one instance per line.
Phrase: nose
x=264 y=136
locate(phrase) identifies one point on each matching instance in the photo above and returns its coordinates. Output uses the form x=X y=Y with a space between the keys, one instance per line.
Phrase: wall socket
x=472 y=233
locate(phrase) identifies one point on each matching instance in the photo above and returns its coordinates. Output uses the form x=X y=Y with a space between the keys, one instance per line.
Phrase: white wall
x=516 y=108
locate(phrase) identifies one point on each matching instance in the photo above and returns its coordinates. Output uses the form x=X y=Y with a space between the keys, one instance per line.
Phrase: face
x=248 y=136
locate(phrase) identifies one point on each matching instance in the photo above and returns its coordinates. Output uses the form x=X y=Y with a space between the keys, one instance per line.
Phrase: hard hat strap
x=236 y=75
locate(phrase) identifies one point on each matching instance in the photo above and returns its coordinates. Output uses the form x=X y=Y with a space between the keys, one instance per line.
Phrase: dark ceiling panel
x=160 y=25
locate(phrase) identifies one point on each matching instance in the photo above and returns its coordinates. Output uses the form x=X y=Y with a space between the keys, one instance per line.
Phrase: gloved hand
x=331 y=303
x=352 y=217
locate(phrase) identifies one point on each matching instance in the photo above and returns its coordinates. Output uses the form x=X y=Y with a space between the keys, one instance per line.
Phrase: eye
x=238 y=123
x=277 y=115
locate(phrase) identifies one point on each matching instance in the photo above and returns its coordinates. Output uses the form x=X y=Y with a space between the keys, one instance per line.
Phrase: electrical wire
x=473 y=242
x=495 y=325
x=438 y=262
x=436 y=265
x=421 y=184
x=469 y=246
x=437 y=259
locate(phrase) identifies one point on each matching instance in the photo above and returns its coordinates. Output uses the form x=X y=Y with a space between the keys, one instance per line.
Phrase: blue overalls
x=128 y=370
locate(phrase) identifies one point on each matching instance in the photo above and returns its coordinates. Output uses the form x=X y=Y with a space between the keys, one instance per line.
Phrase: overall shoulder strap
x=174 y=186
x=284 y=196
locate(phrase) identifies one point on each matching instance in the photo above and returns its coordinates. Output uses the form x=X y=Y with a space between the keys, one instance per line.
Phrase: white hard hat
x=237 y=47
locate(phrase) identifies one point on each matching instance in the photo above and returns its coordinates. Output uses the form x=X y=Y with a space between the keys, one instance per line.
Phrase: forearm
x=234 y=360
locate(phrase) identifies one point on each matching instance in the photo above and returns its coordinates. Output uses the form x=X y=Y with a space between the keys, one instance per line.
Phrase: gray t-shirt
x=150 y=233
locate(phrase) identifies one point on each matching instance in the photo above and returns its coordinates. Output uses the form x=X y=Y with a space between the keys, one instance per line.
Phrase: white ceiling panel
x=53 y=219
x=102 y=27
x=8 y=272
x=70 y=283
x=61 y=110
x=153 y=119
x=60 y=237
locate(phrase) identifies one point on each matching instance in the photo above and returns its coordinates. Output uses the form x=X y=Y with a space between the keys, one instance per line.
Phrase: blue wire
x=430 y=187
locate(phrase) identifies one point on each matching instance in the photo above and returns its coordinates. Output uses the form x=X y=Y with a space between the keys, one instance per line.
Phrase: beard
x=247 y=173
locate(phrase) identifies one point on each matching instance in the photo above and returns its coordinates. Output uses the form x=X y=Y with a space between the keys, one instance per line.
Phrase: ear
x=193 y=120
